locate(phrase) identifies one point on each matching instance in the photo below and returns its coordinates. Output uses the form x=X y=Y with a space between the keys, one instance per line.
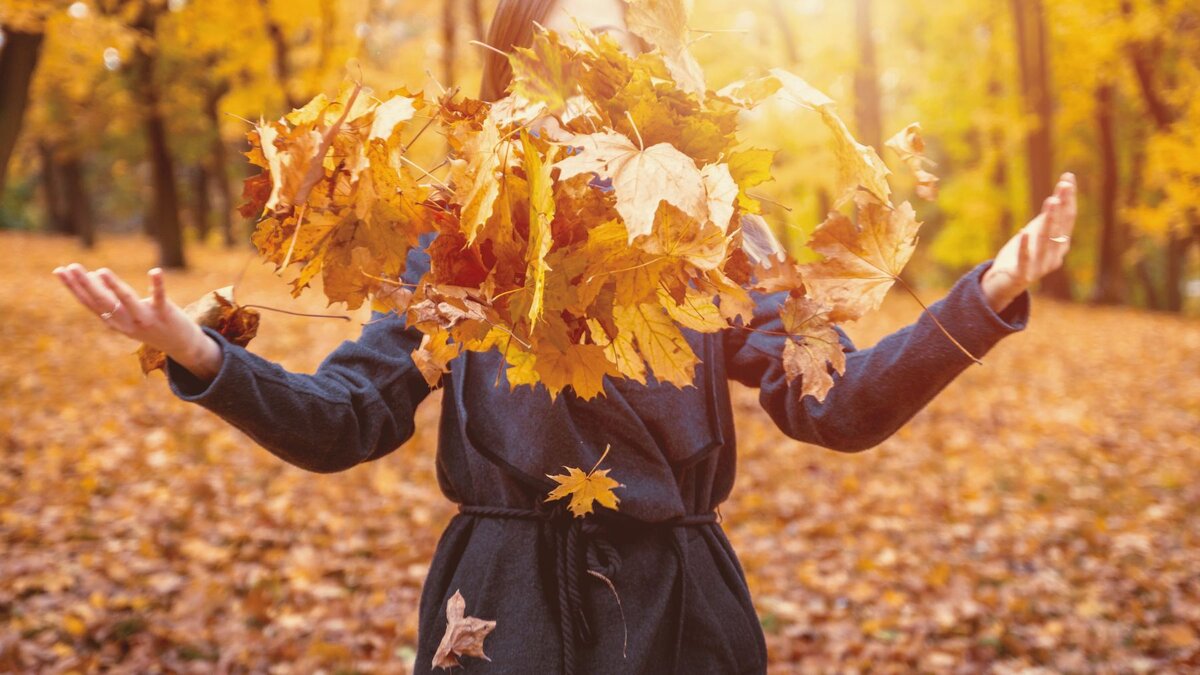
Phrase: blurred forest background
x=129 y=115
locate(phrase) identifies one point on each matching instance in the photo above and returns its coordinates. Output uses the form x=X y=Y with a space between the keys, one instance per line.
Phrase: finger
x=1023 y=254
x=132 y=304
x=64 y=274
x=1066 y=193
x=1072 y=209
x=100 y=299
x=1053 y=216
x=1040 y=230
x=158 y=288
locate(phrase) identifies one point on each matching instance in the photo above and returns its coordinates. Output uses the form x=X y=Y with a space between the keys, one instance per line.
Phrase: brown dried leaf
x=218 y=311
x=464 y=635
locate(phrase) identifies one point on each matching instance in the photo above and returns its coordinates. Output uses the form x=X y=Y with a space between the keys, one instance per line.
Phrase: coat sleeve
x=359 y=405
x=882 y=387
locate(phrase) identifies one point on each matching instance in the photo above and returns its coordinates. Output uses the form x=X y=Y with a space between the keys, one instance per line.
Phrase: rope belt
x=580 y=547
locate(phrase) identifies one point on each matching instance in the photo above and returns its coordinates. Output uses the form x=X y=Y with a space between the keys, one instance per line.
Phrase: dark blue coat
x=684 y=599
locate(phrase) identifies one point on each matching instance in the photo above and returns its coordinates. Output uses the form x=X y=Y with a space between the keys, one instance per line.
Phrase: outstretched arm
x=358 y=405
x=883 y=386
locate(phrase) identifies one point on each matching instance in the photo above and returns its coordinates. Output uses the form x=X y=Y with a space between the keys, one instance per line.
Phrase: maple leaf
x=434 y=354
x=858 y=165
x=722 y=193
x=660 y=342
x=580 y=366
x=734 y=301
x=389 y=117
x=619 y=349
x=475 y=177
x=301 y=164
x=679 y=237
x=218 y=311
x=584 y=263
x=750 y=168
x=861 y=262
x=697 y=311
x=585 y=489
x=663 y=23
x=546 y=72
x=464 y=634
x=910 y=145
x=641 y=178
x=541 y=212
x=815 y=345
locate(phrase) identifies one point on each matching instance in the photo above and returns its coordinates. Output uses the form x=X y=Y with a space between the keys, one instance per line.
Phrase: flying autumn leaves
x=585 y=220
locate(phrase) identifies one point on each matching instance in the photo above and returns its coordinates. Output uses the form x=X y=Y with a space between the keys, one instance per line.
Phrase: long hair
x=512 y=26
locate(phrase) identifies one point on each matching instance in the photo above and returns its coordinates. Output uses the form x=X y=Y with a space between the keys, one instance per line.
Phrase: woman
x=542 y=575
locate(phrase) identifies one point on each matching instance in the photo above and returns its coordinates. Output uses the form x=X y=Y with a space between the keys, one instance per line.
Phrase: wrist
x=201 y=356
x=998 y=289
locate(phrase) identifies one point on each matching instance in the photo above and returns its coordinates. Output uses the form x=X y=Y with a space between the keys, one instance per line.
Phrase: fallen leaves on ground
x=1039 y=514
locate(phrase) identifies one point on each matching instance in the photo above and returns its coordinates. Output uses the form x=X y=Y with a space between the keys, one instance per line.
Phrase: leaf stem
x=314 y=316
x=769 y=201
x=418 y=167
x=604 y=454
x=641 y=144
x=420 y=131
x=485 y=45
x=295 y=235
x=933 y=316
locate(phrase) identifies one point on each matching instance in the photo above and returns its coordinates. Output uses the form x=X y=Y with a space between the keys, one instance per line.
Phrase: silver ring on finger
x=109 y=314
x=1061 y=239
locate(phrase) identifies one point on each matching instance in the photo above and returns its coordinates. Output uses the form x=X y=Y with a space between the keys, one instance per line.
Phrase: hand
x=1033 y=252
x=155 y=320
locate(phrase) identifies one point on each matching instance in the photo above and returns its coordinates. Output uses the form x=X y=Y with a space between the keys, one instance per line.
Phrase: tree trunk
x=476 y=11
x=1000 y=181
x=790 y=46
x=1030 y=24
x=52 y=192
x=1143 y=57
x=218 y=162
x=328 y=30
x=165 y=205
x=449 y=46
x=281 y=52
x=1149 y=285
x=18 y=60
x=867 y=107
x=1177 y=250
x=1000 y=172
x=1109 y=277
x=201 y=206
x=78 y=202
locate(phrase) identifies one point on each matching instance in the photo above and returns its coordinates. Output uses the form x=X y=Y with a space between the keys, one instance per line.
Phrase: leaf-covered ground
x=1041 y=513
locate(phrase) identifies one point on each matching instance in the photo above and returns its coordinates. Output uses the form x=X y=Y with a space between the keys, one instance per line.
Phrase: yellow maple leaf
x=585 y=489
x=541 y=212
x=862 y=260
x=664 y=347
x=642 y=178
x=663 y=23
